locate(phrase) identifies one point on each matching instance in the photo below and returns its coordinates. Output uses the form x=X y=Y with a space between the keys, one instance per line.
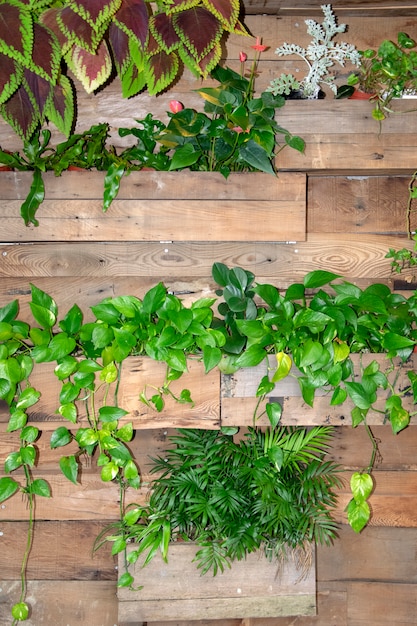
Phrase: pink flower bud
x=176 y=106
x=242 y=57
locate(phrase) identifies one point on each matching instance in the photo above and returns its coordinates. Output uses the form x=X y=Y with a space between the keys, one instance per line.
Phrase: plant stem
x=375 y=449
x=411 y=197
x=29 y=537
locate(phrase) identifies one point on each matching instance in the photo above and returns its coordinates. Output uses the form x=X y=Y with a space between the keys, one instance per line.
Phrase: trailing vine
x=310 y=332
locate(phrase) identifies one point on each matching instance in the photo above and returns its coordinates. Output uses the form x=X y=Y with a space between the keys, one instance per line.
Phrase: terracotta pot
x=360 y=95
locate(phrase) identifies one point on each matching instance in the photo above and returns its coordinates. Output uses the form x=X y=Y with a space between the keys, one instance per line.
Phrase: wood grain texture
x=61 y=550
x=62 y=603
x=138 y=374
x=159 y=206
x=343 y=7
x=175 y=590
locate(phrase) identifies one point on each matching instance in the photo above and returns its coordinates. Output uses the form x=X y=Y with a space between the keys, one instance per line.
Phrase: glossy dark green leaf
x=8 y=487
x=34 y=199
x=69 y=467
x=318 y=278
x=111 y=413
x=39 y=487
x=60 y=437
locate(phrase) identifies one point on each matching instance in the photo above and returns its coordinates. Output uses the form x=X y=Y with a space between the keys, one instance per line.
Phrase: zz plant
x=316 y=325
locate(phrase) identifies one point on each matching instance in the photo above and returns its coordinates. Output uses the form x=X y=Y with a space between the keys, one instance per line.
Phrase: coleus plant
x=145 y=44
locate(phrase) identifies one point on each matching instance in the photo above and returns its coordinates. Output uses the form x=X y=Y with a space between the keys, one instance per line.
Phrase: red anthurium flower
x=242 y=57
x=258 y=46
x=176 y=106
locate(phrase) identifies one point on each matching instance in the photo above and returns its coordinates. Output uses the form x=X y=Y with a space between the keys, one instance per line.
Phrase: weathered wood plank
x=176 y=591
x=53 y=556
x=92 y=499
x=138 y=374
x=181 y=265
x=238 y=401
x=343 y=7
x=381 y=604
x=378 y=554
x=60 y=603
x=362 y=204
x=159 y=206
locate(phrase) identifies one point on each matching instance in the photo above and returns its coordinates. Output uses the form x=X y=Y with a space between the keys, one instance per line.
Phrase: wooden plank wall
x=356 y=193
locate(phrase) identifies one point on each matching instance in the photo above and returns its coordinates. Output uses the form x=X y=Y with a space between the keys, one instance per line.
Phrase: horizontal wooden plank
x=91 y=499
x=159 y=206
x=60 y=603
x=238 y=401
x=353 y=153
x=358 y=204
x=53 y=556
x=176 y=591
x=138 y=374
x=389 y=604
x=179 y=265
x=343 y=7
x=386 y=555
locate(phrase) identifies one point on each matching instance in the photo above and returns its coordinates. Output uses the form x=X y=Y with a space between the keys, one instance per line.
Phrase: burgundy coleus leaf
x=210 y=60
x=60 y=107
x=119 y=43
x=11 y=74
x=95 y=12
x=162 y=28
x=227 y=11
x=198 y=30
x=50 y=19
x=133 y=19
x=161 y=70
x=16 y=32
x=92 y=70
x=40 y=89
x=21 y=113
x=78 y=30
x=46 y=56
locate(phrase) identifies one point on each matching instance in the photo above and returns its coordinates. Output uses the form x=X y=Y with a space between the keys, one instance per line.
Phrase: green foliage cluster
x=145 y=44
x=236 y=133
x=387 y=73
x=310 y=332
x=272 y=490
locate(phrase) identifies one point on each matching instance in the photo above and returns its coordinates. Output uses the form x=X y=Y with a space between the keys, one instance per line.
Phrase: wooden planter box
x=159 y=206
x=238 y=399
x=254 y=587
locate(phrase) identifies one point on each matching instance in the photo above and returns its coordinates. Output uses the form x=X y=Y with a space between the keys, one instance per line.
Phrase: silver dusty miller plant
x=320 y=55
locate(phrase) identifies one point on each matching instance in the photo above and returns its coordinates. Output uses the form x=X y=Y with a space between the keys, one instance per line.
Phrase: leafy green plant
x=86 y=150
x=387 y=73
x=316 y=326
x=405 y=258
x=145 y=44
x=272 y=490
x=320 y=55
x=236 y=132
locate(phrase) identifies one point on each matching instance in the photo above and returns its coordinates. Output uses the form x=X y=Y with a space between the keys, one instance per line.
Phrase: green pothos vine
x=316 y=326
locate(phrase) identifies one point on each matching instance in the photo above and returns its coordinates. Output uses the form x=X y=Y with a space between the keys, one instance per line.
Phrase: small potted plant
x=388 y=73
x=320 y=56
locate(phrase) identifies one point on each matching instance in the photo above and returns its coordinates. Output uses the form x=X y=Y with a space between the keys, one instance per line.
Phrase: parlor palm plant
x=271 y=490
